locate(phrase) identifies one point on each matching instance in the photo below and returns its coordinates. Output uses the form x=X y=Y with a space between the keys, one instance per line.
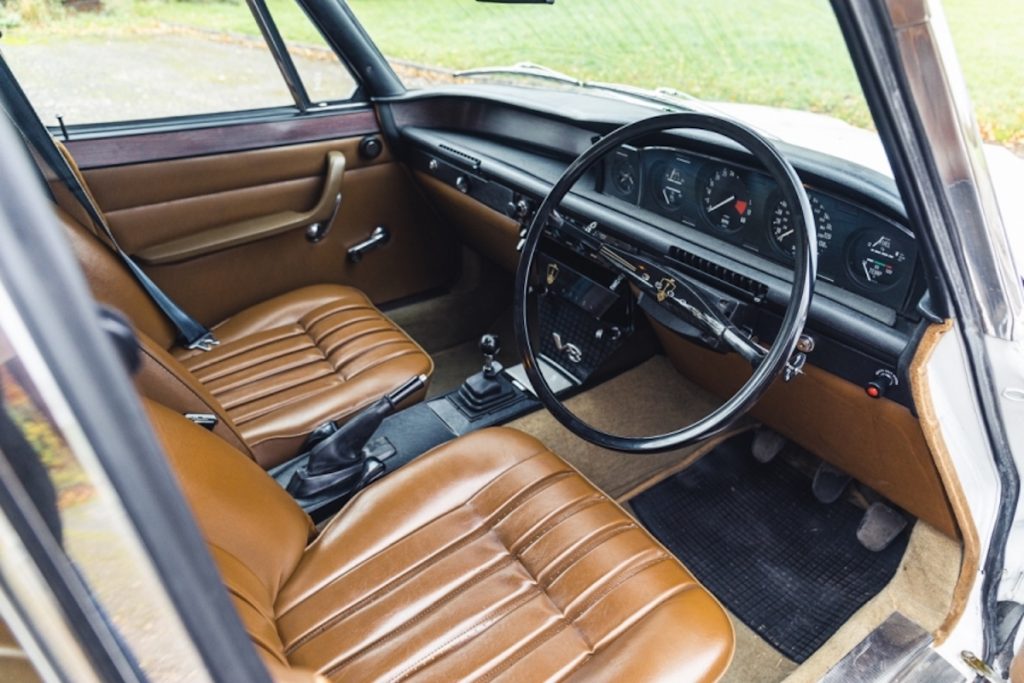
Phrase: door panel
x=152 y=203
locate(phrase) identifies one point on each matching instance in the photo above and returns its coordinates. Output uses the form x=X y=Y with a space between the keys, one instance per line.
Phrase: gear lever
x=490 y=346
x=485 y=390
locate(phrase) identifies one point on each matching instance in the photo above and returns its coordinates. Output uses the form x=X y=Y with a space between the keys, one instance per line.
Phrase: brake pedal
x=829 y=483
x=880 y=525
x=766 y=445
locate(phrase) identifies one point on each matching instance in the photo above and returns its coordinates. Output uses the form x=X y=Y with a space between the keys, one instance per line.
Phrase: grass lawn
x=786 y=53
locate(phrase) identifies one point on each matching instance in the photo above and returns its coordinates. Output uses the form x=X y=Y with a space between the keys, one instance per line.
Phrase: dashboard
x=694 y=201
x=858 y=250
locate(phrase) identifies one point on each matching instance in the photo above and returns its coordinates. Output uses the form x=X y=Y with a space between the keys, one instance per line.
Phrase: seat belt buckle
x=206 y=420
x=205 y=343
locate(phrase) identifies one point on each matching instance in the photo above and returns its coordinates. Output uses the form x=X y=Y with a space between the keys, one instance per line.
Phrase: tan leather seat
x=283 y=368
x=487 y=559
x=290 y=364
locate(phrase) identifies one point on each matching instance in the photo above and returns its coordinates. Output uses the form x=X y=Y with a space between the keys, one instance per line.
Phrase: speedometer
x=781 y=230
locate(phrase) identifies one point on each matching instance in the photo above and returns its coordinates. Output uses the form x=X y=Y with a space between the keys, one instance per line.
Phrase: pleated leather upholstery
x=284 y=366
x=290 y=364
x=487 y=559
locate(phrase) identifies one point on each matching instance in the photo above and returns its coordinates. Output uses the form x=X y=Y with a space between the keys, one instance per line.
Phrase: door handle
x=378 y=238
x=250 y=230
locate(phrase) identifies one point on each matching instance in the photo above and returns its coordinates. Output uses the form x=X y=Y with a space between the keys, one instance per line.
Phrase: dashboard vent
x=471 y=159
x=720 y=273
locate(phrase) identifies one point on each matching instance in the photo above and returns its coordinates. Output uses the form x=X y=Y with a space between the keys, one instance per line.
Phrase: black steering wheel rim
x=805 y=266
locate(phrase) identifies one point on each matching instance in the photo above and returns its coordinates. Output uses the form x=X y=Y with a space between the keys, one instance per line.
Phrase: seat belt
x=193 y=334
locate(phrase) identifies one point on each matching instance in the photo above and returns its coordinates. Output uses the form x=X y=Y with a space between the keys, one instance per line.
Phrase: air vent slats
x=717 y=271
x=471 y=159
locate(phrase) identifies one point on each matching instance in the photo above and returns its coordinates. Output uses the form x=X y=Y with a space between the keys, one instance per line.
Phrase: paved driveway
x=94 y=78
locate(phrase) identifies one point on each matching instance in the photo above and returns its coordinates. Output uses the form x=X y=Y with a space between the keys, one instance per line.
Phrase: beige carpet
x=922 y=591
x=650 y=399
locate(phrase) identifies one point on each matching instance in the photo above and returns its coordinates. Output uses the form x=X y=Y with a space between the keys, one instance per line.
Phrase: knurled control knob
x=883 y=381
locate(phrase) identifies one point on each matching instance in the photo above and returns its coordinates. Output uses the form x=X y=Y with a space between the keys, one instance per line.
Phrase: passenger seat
x=283 y=367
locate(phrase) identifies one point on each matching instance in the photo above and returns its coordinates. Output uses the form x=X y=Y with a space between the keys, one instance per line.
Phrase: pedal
x=880 y=525
x=766 y=445
x=829 y=483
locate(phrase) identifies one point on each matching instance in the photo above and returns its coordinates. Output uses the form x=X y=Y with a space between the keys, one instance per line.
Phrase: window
x=325 y=78
x=146 y=60
x=83 y=512
x=745 y=58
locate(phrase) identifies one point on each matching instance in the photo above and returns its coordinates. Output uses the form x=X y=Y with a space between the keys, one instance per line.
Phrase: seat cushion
x=290 y=364
x=492 y=559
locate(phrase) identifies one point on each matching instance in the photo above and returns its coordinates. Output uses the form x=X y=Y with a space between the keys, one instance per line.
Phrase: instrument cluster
x=858 y=249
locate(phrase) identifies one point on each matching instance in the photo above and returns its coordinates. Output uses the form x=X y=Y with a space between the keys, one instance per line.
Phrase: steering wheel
x=673 y=291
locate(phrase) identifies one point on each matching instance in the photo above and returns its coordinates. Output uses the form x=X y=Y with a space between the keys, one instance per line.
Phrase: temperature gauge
x=878 y=259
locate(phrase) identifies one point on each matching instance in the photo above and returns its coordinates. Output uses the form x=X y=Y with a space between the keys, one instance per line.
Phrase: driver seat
x=489 y=558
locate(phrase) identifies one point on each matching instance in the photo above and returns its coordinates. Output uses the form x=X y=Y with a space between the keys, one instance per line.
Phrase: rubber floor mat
x=786 y=565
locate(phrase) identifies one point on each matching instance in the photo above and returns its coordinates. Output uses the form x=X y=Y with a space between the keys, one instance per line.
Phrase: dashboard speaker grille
x=720 y=274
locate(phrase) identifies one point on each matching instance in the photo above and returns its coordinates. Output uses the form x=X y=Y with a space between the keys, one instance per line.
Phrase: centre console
x=488 y=398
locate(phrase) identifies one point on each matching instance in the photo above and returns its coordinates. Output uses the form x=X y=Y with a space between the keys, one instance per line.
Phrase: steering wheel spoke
x=674 y=292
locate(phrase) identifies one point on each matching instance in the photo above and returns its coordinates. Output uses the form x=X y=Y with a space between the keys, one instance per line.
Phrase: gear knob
x=490 y=345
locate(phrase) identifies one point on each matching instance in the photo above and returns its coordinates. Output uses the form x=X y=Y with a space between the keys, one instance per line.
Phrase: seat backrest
x=162 y=377
x=111 y=281
x=255 y=531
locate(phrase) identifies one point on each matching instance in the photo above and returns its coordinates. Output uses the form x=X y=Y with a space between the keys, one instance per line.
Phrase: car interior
x=394 y=435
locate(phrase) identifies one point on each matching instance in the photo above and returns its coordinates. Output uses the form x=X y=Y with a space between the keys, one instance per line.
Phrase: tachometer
x=781 y=229
x=877 y=259
x=725 y=200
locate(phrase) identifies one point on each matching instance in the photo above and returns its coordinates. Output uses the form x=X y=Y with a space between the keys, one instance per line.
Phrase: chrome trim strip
x=939 y=93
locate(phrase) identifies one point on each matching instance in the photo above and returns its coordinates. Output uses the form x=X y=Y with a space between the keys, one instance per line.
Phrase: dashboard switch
x=883 y=381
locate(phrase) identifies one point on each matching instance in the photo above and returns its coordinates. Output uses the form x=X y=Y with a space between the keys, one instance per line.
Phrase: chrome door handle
x=378 y=238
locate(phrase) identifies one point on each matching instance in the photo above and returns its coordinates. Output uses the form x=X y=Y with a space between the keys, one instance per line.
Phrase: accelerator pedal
x=879 y=526
x=829 y=483
x=766 y=445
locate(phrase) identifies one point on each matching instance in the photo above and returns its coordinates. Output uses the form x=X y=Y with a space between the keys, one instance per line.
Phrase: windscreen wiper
x=528 y=69
x=666 y=97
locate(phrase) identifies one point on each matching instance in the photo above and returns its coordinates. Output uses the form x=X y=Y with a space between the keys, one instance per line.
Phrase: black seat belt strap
x=194 y=335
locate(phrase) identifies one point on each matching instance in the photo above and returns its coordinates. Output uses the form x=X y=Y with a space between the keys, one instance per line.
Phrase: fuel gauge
x=877 y=259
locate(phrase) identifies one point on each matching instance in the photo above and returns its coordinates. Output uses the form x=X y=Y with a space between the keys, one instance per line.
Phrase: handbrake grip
x=332 y=460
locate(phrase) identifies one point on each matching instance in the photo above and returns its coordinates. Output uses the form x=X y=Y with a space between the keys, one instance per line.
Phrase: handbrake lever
x=338 y=461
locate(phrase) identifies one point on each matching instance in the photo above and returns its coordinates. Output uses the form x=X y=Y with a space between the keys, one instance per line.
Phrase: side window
x=326 y=79
x=137 y=61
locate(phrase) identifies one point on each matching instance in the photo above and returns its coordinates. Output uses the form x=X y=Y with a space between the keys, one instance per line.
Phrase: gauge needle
x=785 y=235
x=722 y=203
x=866 y=273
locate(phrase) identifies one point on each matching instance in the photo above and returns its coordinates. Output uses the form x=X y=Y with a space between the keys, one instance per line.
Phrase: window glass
x=88 y=520
x=136 y=60
x=990 y=50
x=750 y=59
x=326 y=79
